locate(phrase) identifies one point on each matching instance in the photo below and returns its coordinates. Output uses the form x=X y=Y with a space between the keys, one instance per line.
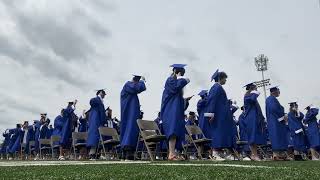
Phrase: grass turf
x=279 y=170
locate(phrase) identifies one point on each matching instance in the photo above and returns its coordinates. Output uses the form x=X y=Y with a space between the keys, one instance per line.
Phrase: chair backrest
x=44 y=141
x=31 y=143
x=79 y=136
x=106 y=131
x=194 y=130
x=55 y=139
x=148 y=128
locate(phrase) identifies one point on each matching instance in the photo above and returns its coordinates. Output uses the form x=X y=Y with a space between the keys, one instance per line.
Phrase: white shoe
x=230 y=158
x=246 y=159
x=10 y=158
x=315 y=159
x=103 y=158
x=216 y=157
x=37 y=157
x=61 y=158
x=192 y=158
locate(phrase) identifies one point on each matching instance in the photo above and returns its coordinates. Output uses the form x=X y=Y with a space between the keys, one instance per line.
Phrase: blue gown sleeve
x=276 y=108
x=212 y=102
x=176 y=85
x=135 y=88
x=311 y=115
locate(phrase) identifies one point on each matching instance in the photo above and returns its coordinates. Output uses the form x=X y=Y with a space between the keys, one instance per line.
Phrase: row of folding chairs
x=79 y=139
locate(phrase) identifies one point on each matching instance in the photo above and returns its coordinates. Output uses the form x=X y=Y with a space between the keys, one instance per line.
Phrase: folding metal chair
x=47 y=145
x=113 y=142
x=151 y=136
x=194 y=132
x=76 y=137
x=55 y=144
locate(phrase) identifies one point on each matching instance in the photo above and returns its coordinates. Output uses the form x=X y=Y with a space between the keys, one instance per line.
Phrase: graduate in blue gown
x=130 y=113
x=201 y=106
x=30 y=137
x=254 y=120
x=243 y=136
x=83 y=122
x=313 y=133
x=58 y=124
x=277 y=124
x=67 y=128
x=16 y=140
x=5 y=143
x=97 y=117
x=220 y=117
x=173 y=106
x=297 y=130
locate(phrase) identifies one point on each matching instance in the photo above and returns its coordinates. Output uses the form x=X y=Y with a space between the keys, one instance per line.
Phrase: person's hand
x=75 y=102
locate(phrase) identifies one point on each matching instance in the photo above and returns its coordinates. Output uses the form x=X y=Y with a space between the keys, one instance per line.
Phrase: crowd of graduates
x=291 y=135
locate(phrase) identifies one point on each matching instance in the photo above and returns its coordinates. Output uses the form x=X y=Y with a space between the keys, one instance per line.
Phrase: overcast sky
x=52 y=52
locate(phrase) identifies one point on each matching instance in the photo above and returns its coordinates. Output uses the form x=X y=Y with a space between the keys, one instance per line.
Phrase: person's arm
x=135 y=88
x=212 y=103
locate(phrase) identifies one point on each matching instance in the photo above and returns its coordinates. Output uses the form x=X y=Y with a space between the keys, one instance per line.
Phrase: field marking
x=215 y=165
x=66 y=163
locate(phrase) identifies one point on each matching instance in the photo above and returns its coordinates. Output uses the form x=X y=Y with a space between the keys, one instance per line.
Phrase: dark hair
x=136 y=78
x=222 y=75
x=179 y=70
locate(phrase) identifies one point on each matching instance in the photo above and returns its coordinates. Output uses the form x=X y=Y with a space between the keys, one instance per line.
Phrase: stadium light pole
x=261 y=63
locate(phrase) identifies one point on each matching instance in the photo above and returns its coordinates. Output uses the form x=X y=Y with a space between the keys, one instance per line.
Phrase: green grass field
x=184 y=170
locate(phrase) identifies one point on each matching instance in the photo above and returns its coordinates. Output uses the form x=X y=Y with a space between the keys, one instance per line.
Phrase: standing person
x=173 y=106
x=254 y=120
x=97 y=117
x=201 y=105
x=130 y=113
x=313 y=131
x=277 y=125
x=83 y=122
x=297 y=131
x=243 y=136
x=67 y=128
x=220 y=117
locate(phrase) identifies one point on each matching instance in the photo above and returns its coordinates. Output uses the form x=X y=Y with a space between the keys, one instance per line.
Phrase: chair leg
x=149 y=152
x=104 y=150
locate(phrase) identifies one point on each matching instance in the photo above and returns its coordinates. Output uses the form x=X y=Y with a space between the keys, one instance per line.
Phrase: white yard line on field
x=64 y=163
x=214 y=165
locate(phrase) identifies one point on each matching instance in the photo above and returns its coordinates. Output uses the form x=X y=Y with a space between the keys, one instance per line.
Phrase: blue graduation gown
x=223 y=127
x=68 y=115
x=173 y=106
x=203 y=123
x=5 y=143
x=313 y=128
x=58 y=124
x=254 y=120
x=83 y=125
x=243 y=131
x=30 y=137
x=295 y=124
x=97 y=117
x=278 y=131
x=130 y=112
x=37 y=126
x=16 y=140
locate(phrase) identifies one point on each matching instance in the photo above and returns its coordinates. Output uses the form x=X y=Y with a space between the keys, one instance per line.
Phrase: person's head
x=203 y=94
x=19 y=126
x=43 y=116
x=242 y=108
x=136 y=78
x=275 y=91
x=141 y=115
x=222 y=79
x=251 y=87
x=109 y=112
x=178 y=69
x=192 y=115
x=26 y=123
x=101 y=93
x=293 y=106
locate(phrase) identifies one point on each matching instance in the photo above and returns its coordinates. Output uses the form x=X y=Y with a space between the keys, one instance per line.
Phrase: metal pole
x=264 y=85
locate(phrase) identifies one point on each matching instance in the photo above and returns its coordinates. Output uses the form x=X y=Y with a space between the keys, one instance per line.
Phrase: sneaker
x=37 y=157
x=92 y=157
x=230 y=158
x=103 y=157
x=315 y=159
x=246 y=159
x=216 y=157
x=10 y=158
x=61 y=158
